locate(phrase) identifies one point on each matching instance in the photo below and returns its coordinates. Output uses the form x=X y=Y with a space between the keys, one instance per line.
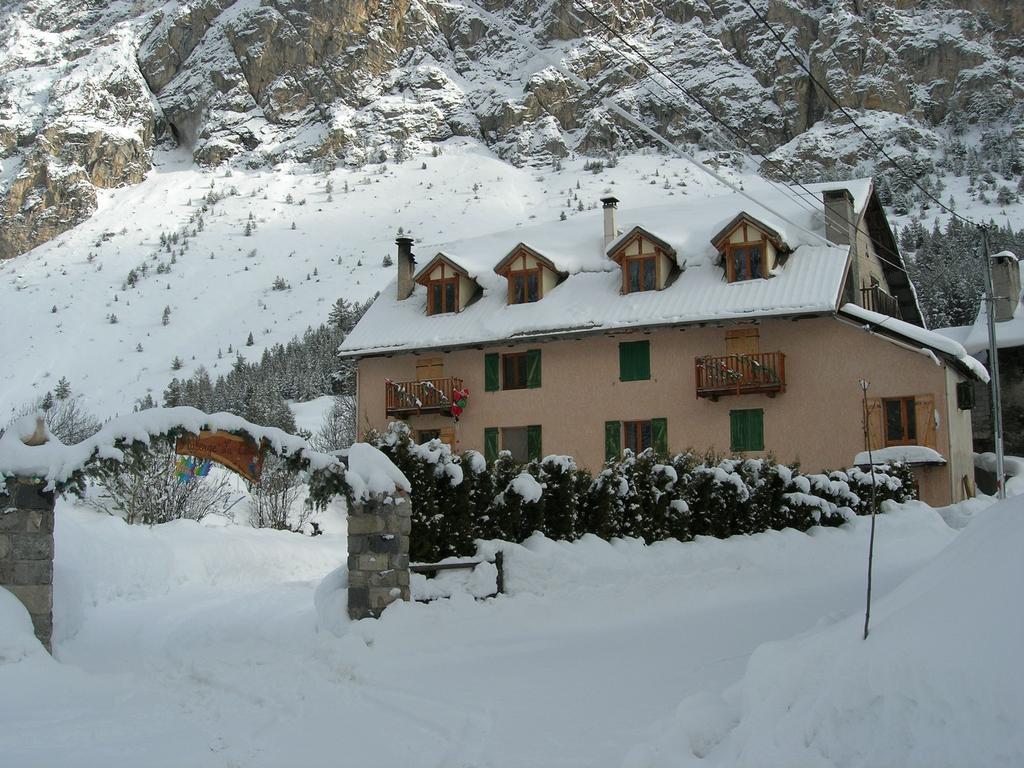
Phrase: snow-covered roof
x=590 y=298
x=928 y=340
x=1009 y=333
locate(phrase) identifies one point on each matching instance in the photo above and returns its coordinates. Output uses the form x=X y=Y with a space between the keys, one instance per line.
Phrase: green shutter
x=491 y=444
x=659 y=436
x=756 y=430
x=612 y=440
x=533 y=368
x=533 y=442
x=634 y=360
x=492 y=372
x=746 y=430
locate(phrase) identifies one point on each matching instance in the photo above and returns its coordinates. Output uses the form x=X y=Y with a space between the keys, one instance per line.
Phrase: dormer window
x=524 y=286
x=449 y=287
x=443 y=296
x=745 y=261
x=647 y=261
x=749 y=248
x=641 y=273
x=530 y=275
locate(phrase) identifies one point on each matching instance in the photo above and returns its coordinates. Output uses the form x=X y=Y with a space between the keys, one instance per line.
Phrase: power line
x=846 y=113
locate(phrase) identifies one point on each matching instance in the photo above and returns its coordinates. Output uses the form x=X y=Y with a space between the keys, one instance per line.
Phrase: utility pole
x=993 y=365
x=871 y=541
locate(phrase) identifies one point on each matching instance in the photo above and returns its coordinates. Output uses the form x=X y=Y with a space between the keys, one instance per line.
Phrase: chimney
x=406 y=267
x=609 y=204
x=839 y=221
x=1005 y=284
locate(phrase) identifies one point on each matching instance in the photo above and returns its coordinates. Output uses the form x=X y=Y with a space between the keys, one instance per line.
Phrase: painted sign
x=239 y=454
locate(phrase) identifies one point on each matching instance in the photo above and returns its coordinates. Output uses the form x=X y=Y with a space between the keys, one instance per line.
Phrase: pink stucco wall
x=816 y=421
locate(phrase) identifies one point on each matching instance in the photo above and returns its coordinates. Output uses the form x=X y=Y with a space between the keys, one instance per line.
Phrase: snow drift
x=937 y=683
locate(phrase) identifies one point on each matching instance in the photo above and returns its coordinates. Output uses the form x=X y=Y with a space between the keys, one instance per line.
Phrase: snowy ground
x=189 y=645
x=325 y=242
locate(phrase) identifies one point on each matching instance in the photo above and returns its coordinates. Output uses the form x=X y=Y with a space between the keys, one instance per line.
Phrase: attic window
x=524 y=286
x=745 y=261
x=443 y=296
x=641 y=273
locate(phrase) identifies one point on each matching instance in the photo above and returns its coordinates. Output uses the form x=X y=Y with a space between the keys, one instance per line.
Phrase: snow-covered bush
x=457 y=499
x=273 y=500
x=145 y=488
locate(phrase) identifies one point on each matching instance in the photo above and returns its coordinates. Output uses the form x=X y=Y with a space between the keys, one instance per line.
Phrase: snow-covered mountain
x=189 y=154
x=88 y=89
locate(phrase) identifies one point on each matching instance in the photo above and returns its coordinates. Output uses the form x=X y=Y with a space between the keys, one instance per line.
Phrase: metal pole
x=993 y=365
x=871 y=540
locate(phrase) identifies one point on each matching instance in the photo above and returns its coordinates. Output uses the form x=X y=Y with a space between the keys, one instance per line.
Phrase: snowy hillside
x=325 y=235
x=201 y=647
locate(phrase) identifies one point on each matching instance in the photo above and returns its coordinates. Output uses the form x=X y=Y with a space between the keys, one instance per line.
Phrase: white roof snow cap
x=591 y=299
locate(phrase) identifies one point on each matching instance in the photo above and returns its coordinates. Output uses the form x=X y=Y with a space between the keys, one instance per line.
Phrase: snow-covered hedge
x=457 y=499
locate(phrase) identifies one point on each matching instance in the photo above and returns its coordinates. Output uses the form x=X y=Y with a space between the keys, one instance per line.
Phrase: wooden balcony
x=763 y=373
x=877 y=300
x=406 y=398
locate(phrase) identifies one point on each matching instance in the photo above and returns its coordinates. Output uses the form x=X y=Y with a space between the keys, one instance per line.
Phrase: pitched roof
x=421 y=276
x=520 y=247
x=590 y=299
x=621 y=240
x=774 y=237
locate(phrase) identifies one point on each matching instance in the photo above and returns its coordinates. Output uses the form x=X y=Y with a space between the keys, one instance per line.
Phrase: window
x=634 y=360
x=636 y=435
x=746 y=430
x=524 y=286
x=745 y=261
x=523 y=443
x=900 y=420
x=426 y=435
x=443 y=296
x=641 y=274
x=513 y=371
x=516 y=370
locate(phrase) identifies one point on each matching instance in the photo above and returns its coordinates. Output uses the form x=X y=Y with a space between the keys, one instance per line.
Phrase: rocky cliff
x=88 y=89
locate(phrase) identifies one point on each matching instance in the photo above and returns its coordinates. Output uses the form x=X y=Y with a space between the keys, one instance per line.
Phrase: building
x=741 y=324
x=1006 y=281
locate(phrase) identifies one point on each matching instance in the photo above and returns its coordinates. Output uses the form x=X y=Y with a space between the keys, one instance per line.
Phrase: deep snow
x=188 y=645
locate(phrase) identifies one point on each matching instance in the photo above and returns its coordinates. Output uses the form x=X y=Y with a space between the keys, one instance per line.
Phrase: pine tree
x=165 y=319
x=63 y=389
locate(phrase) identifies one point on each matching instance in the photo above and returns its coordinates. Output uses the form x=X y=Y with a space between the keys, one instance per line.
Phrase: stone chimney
x=1005 y=284
x=839 y=220
x=609 y=204
x=406 y=267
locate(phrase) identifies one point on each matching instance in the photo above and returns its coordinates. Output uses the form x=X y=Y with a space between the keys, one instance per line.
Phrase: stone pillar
x=378 y=554
x=26 y=550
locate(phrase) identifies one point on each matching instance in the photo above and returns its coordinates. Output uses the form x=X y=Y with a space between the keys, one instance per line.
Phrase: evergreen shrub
x=458 y=499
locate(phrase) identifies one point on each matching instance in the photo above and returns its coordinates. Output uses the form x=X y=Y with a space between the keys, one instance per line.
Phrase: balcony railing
x=403 y=398
x=877 y=300
x=763 y=373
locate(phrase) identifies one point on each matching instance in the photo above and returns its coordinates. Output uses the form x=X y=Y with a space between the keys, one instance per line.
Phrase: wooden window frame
x=748 y=242
x=627 y=286
x=908 y=406
x=518 y=363
x=443 y=281
x=524 y=274
x=632 y=432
